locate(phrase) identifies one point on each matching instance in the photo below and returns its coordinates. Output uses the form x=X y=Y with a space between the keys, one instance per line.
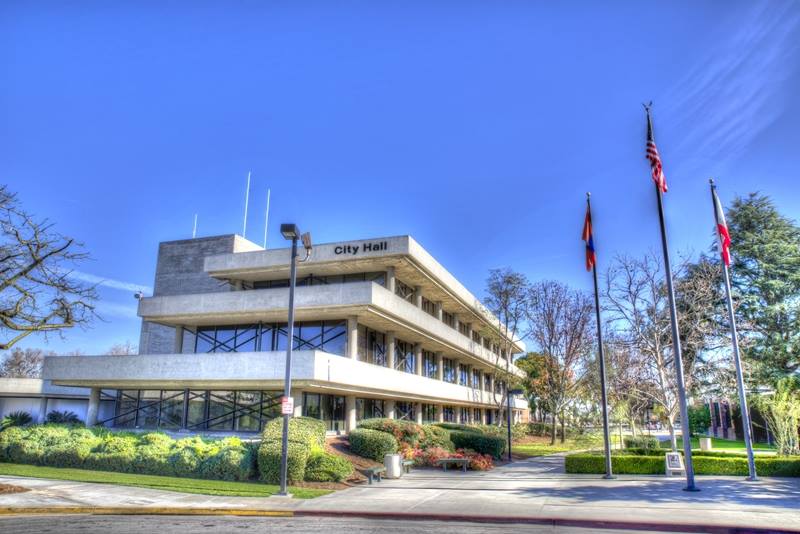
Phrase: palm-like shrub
x=16 y=419
x=64 y=418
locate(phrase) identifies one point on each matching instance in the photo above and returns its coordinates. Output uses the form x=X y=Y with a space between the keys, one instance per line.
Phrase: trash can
x=705 y=444
x=394 y=465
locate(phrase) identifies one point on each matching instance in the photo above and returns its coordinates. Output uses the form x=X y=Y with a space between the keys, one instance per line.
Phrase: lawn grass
x=183 y=485
x=540 y=446
x=719 y=444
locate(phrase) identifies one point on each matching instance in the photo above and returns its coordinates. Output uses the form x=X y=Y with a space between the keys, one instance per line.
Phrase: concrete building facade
x=382 y=330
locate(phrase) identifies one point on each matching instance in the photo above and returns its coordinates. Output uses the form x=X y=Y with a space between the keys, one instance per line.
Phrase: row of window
x=328 y=336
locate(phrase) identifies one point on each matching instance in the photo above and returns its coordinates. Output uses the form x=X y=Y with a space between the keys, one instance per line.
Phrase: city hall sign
x=352 y=250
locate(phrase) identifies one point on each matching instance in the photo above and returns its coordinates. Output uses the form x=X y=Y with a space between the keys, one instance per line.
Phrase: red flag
x=722 y=232
x=651 y=153
x=591 y=256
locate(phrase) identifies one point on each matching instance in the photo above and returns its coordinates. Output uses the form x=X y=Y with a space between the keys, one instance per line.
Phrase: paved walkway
x=534 y=488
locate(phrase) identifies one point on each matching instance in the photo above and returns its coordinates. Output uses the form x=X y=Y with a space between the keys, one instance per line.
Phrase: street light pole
x=290 y=231
x=287 y=384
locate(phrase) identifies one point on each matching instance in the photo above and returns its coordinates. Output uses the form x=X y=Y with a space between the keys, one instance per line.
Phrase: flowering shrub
x=477 y=461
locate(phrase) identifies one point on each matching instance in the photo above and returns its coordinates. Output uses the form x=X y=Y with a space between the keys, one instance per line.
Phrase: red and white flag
x=722 y=232
x=651 y=153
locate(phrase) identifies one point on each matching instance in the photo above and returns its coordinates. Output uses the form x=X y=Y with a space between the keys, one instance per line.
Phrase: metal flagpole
x=603 y=396
x=748 y=439
x=676 y=343
x=246 y=200
x=266 y=221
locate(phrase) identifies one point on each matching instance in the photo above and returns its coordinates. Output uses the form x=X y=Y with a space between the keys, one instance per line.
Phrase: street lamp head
x=290 y=231
x=306 y=237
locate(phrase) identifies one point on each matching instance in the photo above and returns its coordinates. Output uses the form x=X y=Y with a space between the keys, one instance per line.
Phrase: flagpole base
x=753 y=479
x=609 y=477
x=691 y=488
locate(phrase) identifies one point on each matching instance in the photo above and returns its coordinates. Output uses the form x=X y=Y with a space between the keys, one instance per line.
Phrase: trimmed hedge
x=435 y=436
x=403 y=431
x=704 y=464
x=372 y=444
x=491 y=445
x=305 y=430
x=153 y=453
x=326 y=467
x=269 y=461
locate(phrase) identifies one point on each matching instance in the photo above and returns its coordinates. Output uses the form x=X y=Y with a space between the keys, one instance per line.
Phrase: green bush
x=7 y=437
x=120 y=462
x=230 y=463
x=588 y=463
x=435 y=436
x=372 y=444
x=484 y=444
x=403 y=431
x=187 y=455
x=326 y=467
x=304 y=430
x=458 y=426
x=64 y=418
x=118 y=443
x=269 y=461
x=26 y=452
x=641 y=442
x=699 y=419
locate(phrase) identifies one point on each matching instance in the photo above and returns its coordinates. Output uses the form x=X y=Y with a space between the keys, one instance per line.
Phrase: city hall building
x=381 y=330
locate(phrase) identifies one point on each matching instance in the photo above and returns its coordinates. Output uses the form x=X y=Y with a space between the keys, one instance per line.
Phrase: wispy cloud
x=110 y=283
x=736 y=90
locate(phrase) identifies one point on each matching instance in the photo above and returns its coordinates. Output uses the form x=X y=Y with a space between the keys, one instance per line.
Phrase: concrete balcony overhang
x=311 y=371
x=374 y=305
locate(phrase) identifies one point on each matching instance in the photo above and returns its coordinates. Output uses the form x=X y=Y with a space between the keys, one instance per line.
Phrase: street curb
x=406 y=516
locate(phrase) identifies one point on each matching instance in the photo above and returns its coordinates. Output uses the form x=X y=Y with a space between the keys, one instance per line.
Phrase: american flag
x=651 y=153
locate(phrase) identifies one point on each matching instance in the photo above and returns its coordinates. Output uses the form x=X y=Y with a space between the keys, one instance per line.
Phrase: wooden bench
x=463 y=462
x=374 y=473
x=407 y=465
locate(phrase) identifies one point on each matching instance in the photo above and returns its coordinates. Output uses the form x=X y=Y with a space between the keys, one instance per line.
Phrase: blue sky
x=476 y=127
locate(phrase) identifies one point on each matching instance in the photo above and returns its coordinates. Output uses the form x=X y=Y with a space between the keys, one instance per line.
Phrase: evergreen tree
x=765 y=248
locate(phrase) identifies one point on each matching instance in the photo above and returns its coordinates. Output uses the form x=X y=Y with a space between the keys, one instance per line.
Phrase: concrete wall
x=180 y=271
x=39 y=397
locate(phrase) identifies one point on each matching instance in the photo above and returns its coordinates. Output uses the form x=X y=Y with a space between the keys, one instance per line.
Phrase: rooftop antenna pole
x=194 y=228
x=246 y=200
x=266 y=220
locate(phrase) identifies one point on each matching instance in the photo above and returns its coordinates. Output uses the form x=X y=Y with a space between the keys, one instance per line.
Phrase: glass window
x=464 y=414
x=328 y=408
x=149 y=401
x=404 y=411
x=220 y=410
x=476 y=337
x=449 y=319
x=371 y=346
x=378 y=278
x=449 y=414
x=487 y=381
x=204 y=340
x=463 y=328
x=127 y=402
x=404 y=358
x=463 y=374
x=334 y=339
x=369 y=408
x=197 y=410
x=404 y=291
x=449 y=370
x=428 y=307
x=476 y=378
x=171 y=410
x=248 y=418
x=311 y=405
x=308 y=336
x=429 y=367
x=246 y=338
x=428 y=413
x=476 y=414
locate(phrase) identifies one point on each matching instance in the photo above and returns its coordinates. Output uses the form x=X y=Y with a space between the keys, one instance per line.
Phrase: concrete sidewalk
x=534 y=490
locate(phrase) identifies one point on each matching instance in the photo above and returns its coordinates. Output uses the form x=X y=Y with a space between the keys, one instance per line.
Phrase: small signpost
x=674 y=464
x=287 y=406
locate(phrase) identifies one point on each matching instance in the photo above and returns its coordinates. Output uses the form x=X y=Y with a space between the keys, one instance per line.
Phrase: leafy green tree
x=765 y=248
x=699 y=419
x=781 y=409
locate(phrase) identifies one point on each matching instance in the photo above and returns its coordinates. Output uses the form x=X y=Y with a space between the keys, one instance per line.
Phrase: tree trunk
x=563 y=430
x=553 y=431
x=672 y=438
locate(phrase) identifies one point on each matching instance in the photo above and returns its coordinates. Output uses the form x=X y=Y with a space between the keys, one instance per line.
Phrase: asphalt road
x=73 y=524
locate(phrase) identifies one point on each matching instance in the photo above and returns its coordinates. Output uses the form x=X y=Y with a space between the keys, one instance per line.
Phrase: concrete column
x=483 y=416
x=456 y=322
x=390 y=409
x=439 y=366
x=418 y=359
x=469 y=330
x=458 y=414
x=42 y=410
x=438 y=309
x=418 y=412
x=94 y=407
x=390 y=278
x=440 y=413
x=350 y=412
x=390 y=350
x=178 y=340
x=469 y=377
x=418 y=297
x=352 y=337
x=298 y=403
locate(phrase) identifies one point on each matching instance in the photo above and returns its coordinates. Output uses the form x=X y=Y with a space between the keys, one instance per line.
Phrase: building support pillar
x=390 y=409
x=390 y=279
x=483 y=416
x=352 y=337
x=350 y=412
x=418 y=297
x=418 y=412
x=439 y=413
x=178 y=340
x=390 y=350
x=297 y=397
x=93 y=408
x=42 y=410
x=438 y=310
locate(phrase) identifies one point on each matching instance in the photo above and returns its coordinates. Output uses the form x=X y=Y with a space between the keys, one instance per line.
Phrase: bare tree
x=560 y=324
x=123 y=349
x=636 y=297
x=37 y=293
x=507 y=300
x=23 y=363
